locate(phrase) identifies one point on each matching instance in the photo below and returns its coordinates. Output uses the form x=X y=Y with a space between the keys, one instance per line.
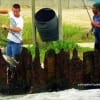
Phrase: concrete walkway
x=89 y=44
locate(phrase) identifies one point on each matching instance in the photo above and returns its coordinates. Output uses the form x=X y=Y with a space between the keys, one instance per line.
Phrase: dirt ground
x=77 y=17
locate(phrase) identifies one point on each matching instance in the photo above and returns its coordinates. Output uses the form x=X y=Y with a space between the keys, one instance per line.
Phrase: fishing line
x=87 y=10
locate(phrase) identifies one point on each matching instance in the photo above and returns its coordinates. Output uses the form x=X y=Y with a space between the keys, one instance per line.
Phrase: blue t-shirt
x=96 y=18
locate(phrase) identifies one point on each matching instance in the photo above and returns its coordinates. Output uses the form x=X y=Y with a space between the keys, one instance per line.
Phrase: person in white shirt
x=14 y=31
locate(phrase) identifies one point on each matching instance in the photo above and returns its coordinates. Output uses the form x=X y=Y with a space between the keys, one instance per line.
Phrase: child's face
x=94 y=10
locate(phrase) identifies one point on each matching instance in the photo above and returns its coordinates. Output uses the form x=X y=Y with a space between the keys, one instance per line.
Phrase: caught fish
x=10 y=60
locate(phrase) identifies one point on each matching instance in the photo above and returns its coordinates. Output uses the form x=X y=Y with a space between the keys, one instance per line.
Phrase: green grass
x=27 y=33
x=57 y=46
x=76 y=33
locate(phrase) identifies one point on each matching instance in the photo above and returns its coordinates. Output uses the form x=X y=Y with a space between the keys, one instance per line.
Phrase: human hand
x=89 y=32
x=92 y=24
x=4 y=26
x=95 y=24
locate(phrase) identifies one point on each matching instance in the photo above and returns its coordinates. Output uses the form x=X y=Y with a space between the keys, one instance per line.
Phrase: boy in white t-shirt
x=14 y=31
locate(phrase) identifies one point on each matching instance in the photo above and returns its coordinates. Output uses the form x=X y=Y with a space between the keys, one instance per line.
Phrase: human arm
x=12 y=29
x=90 y=31
x=18 y=27
x=4 y=11
x=95 y=24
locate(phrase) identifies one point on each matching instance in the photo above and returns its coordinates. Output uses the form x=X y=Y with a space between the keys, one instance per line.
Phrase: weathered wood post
x=76 y=70
x=38 y=80
x=96 y=72
x=88 y=62
x=49 y=67
x=3 y=71
x=62 y=69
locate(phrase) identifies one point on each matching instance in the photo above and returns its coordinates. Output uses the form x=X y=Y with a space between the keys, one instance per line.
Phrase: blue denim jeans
x=13 y=49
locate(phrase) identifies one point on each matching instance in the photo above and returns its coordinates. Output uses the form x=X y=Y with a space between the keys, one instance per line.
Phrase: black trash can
x=47 y=24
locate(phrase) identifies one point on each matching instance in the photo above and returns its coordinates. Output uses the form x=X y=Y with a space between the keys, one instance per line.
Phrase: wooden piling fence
x=59 y=72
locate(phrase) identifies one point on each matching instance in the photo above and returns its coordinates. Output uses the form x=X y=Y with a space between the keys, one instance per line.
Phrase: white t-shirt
x=15 y=22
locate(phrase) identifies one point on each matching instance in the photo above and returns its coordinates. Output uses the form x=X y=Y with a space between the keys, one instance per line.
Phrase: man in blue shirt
x=96 y=24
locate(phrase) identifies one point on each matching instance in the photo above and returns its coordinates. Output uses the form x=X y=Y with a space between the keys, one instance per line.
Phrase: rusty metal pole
x=60 y=20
